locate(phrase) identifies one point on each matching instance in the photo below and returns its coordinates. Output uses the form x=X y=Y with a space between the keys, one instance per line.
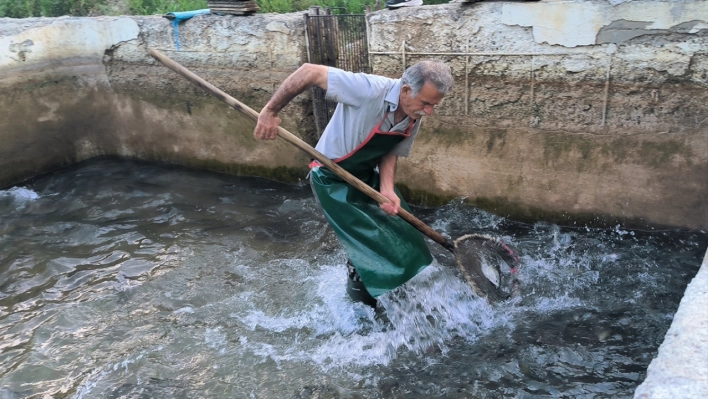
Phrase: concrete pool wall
x=680 y=370
x=570 y=111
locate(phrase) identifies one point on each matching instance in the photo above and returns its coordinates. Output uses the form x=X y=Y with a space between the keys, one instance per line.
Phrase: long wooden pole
x=291 y=138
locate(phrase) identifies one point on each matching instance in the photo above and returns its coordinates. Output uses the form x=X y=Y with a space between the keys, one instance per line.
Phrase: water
x=130 y=280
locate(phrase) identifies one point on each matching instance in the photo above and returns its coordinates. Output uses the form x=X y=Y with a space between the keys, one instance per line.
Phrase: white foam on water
x=435 y=307
x=548 y=305
x=99 y=376
x=312 y=324
x=186 y=309
x=335 y=332
x=20 y=194
x=457 y=213
x=215 y=338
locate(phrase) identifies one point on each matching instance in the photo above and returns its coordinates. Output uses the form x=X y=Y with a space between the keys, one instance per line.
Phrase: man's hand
x=387 y=172
x=307 y=76
x=267 y=126
x=391 y=208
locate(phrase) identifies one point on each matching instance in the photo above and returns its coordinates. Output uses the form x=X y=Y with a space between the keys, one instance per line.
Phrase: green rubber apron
x=385 y=250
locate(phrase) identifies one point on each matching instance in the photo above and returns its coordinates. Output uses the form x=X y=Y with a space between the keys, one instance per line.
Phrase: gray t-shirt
x=363 y=100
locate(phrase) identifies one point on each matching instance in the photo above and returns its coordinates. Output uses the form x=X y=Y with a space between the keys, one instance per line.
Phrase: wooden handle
x=291 y=138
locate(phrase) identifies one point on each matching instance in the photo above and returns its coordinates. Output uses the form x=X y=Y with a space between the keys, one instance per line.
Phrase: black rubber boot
x=355 y=288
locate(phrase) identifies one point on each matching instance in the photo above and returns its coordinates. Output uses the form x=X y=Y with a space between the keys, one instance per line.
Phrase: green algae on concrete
x=658 y=154
x=281 y=173
x=649 y=152
x=559 y=147
x=519 y=212
x=422 y=197
x=530 y=214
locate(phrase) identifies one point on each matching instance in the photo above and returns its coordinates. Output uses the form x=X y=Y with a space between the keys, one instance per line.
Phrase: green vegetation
x=56 y=8
x=80 y=8
x=149 y=7
x=38 y=8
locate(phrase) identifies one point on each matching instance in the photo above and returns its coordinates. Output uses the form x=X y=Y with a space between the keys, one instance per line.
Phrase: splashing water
x=122 y=279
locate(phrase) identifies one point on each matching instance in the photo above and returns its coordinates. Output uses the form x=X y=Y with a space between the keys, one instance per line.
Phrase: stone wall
x=76 y=88
x=580 y=107
x=570 y=111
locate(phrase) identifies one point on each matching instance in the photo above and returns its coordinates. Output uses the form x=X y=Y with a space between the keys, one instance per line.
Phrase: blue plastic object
x=180 y=16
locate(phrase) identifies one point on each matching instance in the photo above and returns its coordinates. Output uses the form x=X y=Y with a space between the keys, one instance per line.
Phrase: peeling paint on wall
x=65 y=38
x=572 y=23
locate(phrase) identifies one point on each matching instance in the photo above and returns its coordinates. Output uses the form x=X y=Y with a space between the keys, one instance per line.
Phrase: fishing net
x=489 y=265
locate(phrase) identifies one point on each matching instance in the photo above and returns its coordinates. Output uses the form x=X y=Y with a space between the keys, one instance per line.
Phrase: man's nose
x=428 y=109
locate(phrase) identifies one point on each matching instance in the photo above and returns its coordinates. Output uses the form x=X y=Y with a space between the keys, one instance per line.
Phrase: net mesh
x=489 y=265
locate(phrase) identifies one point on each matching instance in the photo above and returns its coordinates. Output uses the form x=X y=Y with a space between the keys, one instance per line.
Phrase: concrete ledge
x=680 y=370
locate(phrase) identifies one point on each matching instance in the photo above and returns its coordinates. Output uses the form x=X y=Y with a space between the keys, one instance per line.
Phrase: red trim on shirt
x=377 y=130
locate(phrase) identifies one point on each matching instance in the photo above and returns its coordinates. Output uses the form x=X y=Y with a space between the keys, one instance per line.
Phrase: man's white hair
x=434 y=72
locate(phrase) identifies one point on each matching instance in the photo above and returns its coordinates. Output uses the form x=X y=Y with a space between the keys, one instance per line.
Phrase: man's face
x=423 y=103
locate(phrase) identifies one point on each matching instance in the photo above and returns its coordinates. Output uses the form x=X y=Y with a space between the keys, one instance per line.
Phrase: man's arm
x=305 y=77
x=387 y=172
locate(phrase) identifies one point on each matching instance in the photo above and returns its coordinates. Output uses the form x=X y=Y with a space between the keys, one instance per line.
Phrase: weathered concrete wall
x=55 y=105
x=75 y=88
x=547 y=115
x=680 y=370
x=584 y=110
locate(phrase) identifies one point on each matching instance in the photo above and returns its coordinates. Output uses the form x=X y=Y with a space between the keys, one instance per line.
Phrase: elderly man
x=375 y=122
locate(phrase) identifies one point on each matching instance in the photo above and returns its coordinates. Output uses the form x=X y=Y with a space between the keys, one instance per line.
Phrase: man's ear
x=405 y=89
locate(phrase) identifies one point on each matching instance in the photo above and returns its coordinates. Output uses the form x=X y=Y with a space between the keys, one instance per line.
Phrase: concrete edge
x=680 y=370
